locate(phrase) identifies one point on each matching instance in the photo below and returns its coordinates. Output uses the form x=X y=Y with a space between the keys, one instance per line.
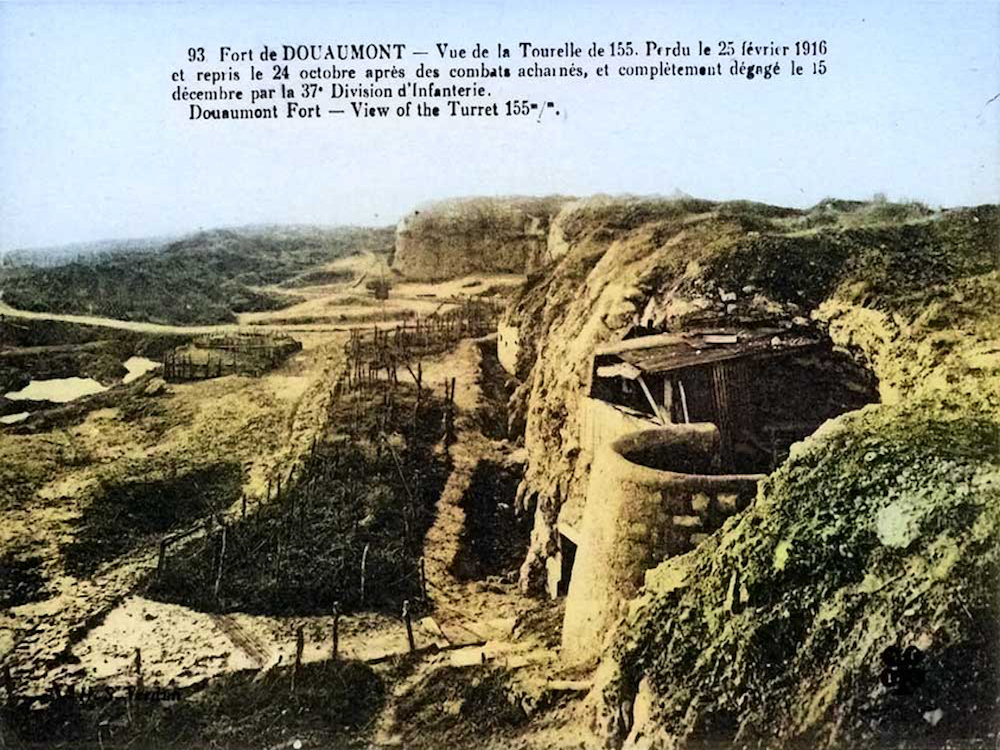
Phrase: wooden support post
x=684 y=401
x=364 y=564
x=336 y=630
x=668 y=397
x=423 y=578
x=409 y=625
x=138 y=670
x=300 y=644
x=657 y=409
x=243 y=503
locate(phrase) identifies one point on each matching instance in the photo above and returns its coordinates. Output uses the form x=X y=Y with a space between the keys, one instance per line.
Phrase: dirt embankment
x=454 y=238
x=862 y=276
x=913 y=295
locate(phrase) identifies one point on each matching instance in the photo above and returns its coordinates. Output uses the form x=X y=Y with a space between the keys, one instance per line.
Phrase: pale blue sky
x=92 y=147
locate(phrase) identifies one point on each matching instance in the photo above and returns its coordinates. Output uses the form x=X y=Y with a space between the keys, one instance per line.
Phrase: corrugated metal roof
x=671 y=351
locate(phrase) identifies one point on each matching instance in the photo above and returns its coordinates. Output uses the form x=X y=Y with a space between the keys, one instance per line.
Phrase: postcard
x=500 y=375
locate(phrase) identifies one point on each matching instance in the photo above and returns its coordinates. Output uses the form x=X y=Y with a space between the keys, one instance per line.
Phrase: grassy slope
x=915 y=294
x=205 y=278
x=303 y=554
x=797 y=655
x=328 y=704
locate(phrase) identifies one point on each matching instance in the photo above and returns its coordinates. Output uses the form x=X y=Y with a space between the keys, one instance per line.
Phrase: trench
x=496 y=388
x=495 y=539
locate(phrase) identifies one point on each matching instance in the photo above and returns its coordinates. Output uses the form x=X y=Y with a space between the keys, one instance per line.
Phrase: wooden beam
x=620 y=370
x=657 y=410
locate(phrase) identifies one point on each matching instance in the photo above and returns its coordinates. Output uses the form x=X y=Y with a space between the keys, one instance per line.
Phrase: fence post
x=222 y=558
x=300 y=643
x=409 y=624
x=336 y=629
x=138 y=670
x=364 y=563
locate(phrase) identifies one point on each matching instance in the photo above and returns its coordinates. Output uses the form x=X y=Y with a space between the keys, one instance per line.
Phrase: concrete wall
x=635 y=517
x=600 y=423
x=508 y=346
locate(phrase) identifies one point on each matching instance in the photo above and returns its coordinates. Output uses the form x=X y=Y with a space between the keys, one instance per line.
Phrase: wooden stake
x=300 y=643
x=364 y=563
x=336 y=629
x=222 y=559
x=138 y=670
x=409 y=624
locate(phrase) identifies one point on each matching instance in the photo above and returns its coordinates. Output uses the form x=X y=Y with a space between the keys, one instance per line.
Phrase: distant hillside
x=207 y=277
x=452 y=238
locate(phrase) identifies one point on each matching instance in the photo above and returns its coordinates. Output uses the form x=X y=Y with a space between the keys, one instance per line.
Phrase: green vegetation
x=462 y=708
x=885 y=263
x=125 y=514
x=205 y=278
x=882 y=530
x=303 y=552
x=327 y=704
x=21 y=580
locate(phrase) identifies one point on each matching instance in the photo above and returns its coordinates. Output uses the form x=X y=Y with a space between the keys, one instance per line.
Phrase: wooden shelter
x=727 y=376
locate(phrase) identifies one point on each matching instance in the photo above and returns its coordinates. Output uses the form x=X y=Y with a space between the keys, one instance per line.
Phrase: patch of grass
x=303 y=552
x=21 y=580
x=333 y=704
x=459 y=707
x=124 y=514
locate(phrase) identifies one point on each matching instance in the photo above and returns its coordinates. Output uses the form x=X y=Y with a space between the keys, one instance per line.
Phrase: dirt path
x=490 y=611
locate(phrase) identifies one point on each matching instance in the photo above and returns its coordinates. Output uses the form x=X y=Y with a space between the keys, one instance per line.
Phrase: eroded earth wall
x=474 y=235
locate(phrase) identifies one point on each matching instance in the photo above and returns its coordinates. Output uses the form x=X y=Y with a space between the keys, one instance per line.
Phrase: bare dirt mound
x=453 y=238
